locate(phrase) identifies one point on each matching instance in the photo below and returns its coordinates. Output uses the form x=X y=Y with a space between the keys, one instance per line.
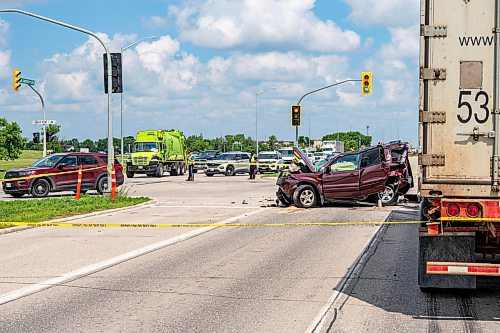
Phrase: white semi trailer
x=459 y=134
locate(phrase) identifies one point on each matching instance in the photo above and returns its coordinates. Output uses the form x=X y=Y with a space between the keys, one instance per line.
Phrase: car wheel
x=102 y=184
x=159 y=170
x=305 y=196
x=389 y=196
x=230 y=171
x=16 y=195
x=130 y=174
x=195 y=171
x=209 y=174
x=40 y=189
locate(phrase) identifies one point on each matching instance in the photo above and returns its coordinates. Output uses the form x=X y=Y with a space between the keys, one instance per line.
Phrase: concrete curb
x=76 y=217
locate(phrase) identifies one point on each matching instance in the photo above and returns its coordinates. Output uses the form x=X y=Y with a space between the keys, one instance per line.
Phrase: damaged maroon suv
x=382 y=172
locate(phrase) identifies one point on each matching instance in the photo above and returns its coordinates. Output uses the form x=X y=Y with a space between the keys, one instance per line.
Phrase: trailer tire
x=173 y=172
x=130 y=174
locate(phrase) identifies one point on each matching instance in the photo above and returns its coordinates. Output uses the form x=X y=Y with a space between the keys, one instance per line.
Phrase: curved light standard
x=121 y=95
x=256 y=114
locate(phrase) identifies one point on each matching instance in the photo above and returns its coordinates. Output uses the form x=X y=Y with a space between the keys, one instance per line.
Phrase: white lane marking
x=73 y=275
x=317 y=324
x=206 y=206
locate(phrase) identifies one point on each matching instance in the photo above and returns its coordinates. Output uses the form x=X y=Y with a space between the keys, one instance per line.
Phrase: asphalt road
x=229 y=279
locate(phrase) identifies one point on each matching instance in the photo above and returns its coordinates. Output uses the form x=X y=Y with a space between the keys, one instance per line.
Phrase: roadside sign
x=44 y=122
x=27 y=81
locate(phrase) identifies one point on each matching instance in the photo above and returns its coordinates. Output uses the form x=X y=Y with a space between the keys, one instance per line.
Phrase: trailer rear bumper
x=463 y=268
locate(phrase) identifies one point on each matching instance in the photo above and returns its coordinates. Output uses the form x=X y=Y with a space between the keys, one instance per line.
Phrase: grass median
x=32 y=210
x=27 y=158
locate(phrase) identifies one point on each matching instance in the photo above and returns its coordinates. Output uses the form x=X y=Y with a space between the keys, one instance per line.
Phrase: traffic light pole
x=111 y=155
x=312 y=92
x=44 y=125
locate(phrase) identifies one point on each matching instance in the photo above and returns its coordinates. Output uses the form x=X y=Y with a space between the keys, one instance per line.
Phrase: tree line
x=12 y=142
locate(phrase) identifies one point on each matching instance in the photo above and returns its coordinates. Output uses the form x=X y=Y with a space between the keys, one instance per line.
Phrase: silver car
x=229 y=164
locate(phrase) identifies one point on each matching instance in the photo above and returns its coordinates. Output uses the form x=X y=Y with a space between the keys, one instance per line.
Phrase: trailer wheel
x=173 y=171
x=130 y=174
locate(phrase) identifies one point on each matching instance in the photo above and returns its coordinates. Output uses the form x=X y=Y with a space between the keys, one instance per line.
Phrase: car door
x=341 y=178
x=88 y=176
x=374 y=171
x=68 y=176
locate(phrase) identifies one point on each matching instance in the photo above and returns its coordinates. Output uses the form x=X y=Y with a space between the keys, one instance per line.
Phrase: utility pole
x=44 y=125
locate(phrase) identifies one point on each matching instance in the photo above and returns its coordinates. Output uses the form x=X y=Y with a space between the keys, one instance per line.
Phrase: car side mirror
x=62 y=165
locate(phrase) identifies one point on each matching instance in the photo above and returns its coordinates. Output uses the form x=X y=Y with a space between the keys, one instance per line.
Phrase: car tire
x=130 y=174
x=230 y=171
x=388 y=196
x=40 y=188
x=305 y=196
x=16 y=195
x=159 y=170
x=102 y=184
x=195 y=171
x=209 y=174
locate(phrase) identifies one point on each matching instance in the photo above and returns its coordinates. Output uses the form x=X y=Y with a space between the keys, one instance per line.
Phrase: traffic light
x=116 y=73
x=49 y=136
x=17 y=77
x=36 y=137
x=295 y=115
x=366 y=83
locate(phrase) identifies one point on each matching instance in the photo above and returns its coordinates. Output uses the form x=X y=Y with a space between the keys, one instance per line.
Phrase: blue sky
x=211 y=57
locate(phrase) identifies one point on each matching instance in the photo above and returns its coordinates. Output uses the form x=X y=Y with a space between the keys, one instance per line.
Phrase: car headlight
x=26 y=173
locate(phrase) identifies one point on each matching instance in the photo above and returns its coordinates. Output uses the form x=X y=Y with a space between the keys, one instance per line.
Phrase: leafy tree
x=89 y=144
x=53 y=144
x=273 y=141
x=11 y=141
x=352 y=140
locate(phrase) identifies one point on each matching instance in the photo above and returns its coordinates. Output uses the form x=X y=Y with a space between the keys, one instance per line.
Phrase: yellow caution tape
x=197 y=225
x=48 y=174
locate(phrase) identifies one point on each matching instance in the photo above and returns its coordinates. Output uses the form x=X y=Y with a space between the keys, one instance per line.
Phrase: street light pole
x=44 y=125
x=312 y=92
x=109 y=83
x=121 y=94
x=256 y=115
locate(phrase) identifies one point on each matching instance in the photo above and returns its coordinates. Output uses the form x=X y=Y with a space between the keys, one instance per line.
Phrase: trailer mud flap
x=456 y=247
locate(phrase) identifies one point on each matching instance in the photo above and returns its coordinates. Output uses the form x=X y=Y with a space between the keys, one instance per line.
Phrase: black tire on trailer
x=130 y=174
x=182 y=169
x=173 y=171
x=150 y=174
x=40 y=188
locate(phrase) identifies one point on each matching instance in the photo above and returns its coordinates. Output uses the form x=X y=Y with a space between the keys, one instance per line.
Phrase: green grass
x=270 y=175
x=27 y=158
x=33 y=210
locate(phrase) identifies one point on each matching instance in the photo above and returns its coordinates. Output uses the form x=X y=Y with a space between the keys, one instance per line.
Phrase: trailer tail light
x=453 y=210
x=473 y=210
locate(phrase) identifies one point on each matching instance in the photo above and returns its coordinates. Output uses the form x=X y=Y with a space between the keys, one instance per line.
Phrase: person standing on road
x=190 y=168
x=253 y=166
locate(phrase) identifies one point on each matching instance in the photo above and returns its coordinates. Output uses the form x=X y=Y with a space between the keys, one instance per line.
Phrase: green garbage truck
x=158 y=151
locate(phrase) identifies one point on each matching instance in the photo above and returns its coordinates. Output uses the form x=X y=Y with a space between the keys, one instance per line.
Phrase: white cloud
x=290 y=24
x=4 y=32
x=155 y=22
x=384 y=12
x=404 y=43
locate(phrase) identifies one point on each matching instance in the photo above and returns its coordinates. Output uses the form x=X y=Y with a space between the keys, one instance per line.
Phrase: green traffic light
x=367 y=89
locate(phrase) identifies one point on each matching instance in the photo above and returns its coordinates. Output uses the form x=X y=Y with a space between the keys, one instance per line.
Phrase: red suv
x=382 y=171
x=51 y=175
